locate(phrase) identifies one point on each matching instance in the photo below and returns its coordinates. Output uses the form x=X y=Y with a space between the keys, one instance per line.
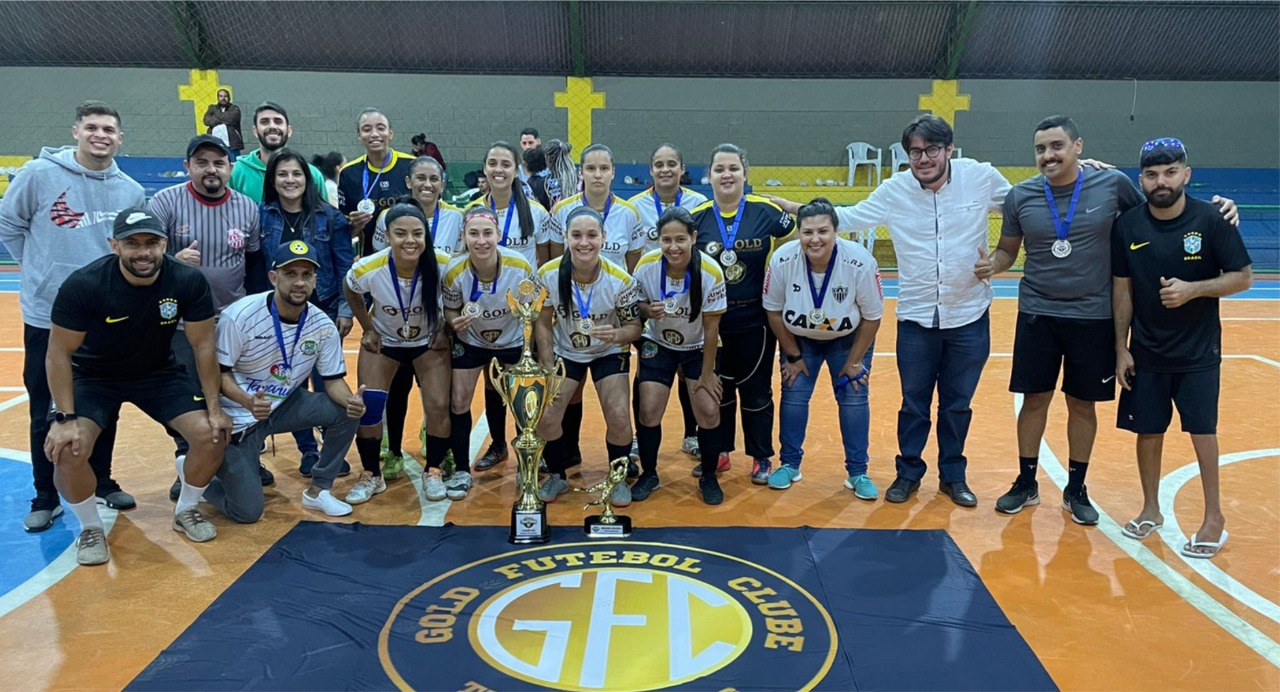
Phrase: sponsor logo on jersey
x=1191 y=242
x=168 y=310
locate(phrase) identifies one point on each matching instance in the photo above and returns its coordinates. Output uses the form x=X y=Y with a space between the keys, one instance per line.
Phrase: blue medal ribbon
x=658 y=203
x=435 y=223
x=395 y=282
x=663 y=285
x=506 y=223
x=286 y=358
x=608 y=204
x=584 y=307
x=368 y=189
x=730 y=234
x=475 y=281
x=820 y=295
x=1063 y=226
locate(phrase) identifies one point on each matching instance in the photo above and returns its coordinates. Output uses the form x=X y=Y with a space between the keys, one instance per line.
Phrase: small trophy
x=526 y=388
x=607 y=524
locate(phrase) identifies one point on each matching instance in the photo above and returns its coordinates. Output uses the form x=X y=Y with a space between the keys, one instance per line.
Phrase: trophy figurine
x=526 y=388
x=607 y=524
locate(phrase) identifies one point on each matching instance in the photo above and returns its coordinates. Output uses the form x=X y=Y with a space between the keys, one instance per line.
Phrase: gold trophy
x=607 y=524
x=526 y=388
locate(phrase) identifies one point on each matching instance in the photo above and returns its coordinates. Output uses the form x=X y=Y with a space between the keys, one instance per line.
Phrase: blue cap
x=295 y=251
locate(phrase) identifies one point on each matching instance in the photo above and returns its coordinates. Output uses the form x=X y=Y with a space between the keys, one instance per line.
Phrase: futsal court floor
x=1100 y=610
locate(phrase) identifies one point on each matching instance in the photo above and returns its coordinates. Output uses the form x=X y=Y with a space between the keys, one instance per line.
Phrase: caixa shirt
x=853 y=292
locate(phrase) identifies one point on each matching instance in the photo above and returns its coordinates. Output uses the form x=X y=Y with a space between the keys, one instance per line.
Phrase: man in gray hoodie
x=56 y=217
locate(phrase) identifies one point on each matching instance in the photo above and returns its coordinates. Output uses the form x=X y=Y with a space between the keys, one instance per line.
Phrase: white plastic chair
x=860 y=154
x=898 y=157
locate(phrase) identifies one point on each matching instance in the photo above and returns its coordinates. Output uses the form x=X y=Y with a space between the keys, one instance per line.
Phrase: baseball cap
x=135 y=220
x=207 y=141
x=295 y=251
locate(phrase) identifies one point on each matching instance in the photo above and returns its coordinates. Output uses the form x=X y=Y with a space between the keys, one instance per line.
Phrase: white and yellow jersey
x=444 y=225
x=674 y=330
x=373 y=275
x=853 y=293
x=612 y=295
x=523 y=240
x=495 y=327
x=650 y=209
x=622 y=229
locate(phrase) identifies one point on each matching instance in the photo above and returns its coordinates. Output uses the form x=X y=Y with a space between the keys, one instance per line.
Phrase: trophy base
x=593 y=527
x=529 y=527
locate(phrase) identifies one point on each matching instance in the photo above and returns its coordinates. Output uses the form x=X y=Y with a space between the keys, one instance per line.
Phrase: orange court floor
x=1101 y=611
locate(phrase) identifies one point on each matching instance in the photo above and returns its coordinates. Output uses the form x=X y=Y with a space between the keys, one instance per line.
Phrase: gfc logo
x=608 y=616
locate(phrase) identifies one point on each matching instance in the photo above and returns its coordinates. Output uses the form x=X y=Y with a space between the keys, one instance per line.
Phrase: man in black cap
x=268 y=345
x=118 y=315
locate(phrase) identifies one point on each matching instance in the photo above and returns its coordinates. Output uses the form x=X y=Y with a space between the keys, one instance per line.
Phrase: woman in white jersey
x=666 y=166
x=522 y=222
x=682 y=297
x=425 y=181
x=475 y=306
x=588 y=320
x=823 y=300
x=623 y=233
x=399 y=326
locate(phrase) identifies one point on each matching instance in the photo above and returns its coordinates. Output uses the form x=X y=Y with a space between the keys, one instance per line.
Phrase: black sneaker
x=309 y=461
x=1022 y=494
x=710 y=489
x=110 y=494
x=633 y=469
x=175 y=490
x=1082 y=511
x=265 y=475
x=643 y=486
x=496 y=454
x=959 y=493
x=901 y=489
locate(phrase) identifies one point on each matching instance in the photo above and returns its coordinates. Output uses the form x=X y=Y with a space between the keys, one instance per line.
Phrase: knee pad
x=375 y=402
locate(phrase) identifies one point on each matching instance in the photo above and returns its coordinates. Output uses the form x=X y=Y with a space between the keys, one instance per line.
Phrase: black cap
x=295 y=251
x=135 y=220
x=207 y=141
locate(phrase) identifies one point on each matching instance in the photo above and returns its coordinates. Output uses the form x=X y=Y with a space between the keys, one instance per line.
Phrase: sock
x=635 y=400
x=495 y=413
x=686 y=408
x=1075 y=475
x=460 y=440
x=1028 y=467
x=437 y=448
x=709 y=449
x=572 y=427
x=87 y=513
x=398 y=409
x=369 y=448
x=615 y=451
x=649 y=440
x=188 y=498
x=553 y=453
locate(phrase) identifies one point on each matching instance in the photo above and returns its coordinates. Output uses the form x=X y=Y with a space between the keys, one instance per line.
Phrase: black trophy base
x=529 y=528
x=594 y=527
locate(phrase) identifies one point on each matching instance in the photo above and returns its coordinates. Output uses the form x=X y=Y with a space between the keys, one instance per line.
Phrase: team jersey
x=522 y=240
x=762 y=222
x=249 y=349
x=383 y=185
x=623 y=231
x=444 y=225
x=674 y=330
x=613 y=295
x=224 y=231
x=853 y=293
x=496 y=327
x=373 y=275
x=650 y=209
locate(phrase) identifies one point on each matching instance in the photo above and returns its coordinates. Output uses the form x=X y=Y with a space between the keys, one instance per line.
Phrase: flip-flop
x=1188 y=551
x=1136 y=532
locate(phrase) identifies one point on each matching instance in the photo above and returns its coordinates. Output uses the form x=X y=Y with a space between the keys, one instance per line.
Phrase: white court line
x=13 y=402
x=433 y=513
x=1233 y=624
x=1175 y=538
x=1250 y=319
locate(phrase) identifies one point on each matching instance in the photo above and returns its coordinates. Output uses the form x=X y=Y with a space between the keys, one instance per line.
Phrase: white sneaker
x=365 y=488
x=458 y=486
x=327 y=503
x=433 y=486
x=689 y=445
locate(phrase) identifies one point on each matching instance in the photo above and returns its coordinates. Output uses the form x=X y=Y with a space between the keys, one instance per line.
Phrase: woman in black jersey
x=738 y=230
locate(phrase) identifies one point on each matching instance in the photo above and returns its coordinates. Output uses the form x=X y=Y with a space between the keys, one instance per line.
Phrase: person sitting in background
x=328 y=165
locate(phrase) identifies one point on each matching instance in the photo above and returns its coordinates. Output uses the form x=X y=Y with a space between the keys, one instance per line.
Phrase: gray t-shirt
x=1079 y=285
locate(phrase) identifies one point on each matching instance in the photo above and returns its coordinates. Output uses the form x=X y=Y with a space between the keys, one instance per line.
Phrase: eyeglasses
x=932 y=152
x=1164 y=143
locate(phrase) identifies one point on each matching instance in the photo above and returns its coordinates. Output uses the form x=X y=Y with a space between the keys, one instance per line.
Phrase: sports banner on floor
x=338 y=606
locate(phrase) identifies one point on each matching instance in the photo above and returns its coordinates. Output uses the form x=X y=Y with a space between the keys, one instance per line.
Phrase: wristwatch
x=791 y=359
x=63 y=417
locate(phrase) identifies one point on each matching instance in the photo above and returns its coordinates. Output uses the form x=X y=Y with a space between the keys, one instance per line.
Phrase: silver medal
x=1061 y=248
x=728 y=257
x=585 y=325
x=367 y=206
x=817 y=316
x=670 y=305
x=471 y=309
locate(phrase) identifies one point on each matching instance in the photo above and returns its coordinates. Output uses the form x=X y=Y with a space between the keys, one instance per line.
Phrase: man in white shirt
x=937 y=219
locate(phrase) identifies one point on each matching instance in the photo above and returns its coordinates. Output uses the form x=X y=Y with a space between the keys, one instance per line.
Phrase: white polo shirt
x=623 y=232
x=496 y=327
x=674 y=330
x=613 y=295
x=373 y=275
x=936 y=237
x=446 y=237
x=853 y=292
x=651 y=210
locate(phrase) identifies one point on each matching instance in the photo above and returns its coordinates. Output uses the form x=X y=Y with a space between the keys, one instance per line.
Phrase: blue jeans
x=950 y=360
x=855 y=416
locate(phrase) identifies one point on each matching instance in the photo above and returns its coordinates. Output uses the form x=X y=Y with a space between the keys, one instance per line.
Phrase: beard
x=141 y=274
x=295 y=302
x=943 y=169
x=267 y=145
x=1165 y=197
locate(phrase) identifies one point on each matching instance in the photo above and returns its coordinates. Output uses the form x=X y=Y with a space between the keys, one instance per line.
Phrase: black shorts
x=404 y=355
x=1082 y=350
x=1147 y=408
x=659 y=363
x=602 y=367
x=468 y=357
x=163 y=396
